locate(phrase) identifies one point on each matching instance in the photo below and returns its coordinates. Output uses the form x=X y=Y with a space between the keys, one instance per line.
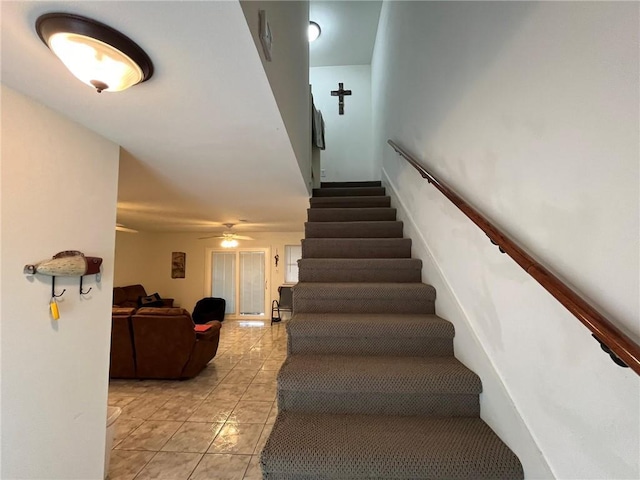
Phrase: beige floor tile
x=193 y=437
x=151 y=435
x=119 y=399
x=273 y=364
x=263 y=439
x=265 y=376
x=143 y=407
x=254 y=471
x=213 y=411
x=221 y=467
x=170 y=466
x=243 y=376
x=124 y=426
x=228 y=391
x=125 y=464
x=176 y=409
x=261 y=392
x=249 y=362
x=226 y=361
x=236 y=438
x=250 y=412
x=271 y=419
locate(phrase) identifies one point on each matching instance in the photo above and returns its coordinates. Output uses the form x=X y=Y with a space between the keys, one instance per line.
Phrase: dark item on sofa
x=122 y=363
x=152 y=300
x=209 y=309
x=167 y=346
x=128 y=296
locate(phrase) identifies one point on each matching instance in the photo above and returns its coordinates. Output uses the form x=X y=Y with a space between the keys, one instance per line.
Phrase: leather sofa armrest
x=210 y=334
x=204 y=350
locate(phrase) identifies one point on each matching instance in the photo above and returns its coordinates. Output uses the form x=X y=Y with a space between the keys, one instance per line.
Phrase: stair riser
x=440 y=405
x=356 y=248
x=365 y=275
x=350 y=202
x=381 y=346
x=351 y=214
x=349 y=192
x=353 y=230
x=399 y=270
x=372 y=183
x=370 y=305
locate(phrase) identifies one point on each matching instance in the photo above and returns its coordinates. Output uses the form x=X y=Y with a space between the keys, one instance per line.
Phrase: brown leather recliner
x=167 y=346
x=122 y=364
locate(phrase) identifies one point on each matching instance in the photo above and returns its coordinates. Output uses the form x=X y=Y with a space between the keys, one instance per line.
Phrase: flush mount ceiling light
x=95 y=53
x=314 y=31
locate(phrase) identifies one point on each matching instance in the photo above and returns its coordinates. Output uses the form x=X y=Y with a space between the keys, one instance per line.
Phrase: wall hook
x=53 y=289
x=81 y=292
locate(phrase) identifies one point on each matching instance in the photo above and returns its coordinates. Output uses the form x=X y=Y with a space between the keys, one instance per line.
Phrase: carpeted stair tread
x=349 y=191
x=326 y=446
x=357 y=297
x=370 y=183
x=388 y=374
x=360 y=270
x=350 y=202
x=370 y=334
x=354 y=325
x=390 y=229
x=389 y=385
x=356 y=248
x=351 y=214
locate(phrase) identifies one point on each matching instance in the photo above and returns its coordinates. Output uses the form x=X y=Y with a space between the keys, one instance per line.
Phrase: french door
x=239 y=276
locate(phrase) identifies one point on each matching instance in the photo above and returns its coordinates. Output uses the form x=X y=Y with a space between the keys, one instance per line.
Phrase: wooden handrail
x=611 y=338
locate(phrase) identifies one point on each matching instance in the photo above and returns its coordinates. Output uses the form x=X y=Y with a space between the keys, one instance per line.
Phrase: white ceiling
x=348 y=32
x=202 y=141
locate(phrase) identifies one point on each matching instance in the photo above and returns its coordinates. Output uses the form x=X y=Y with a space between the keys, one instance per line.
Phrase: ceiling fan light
x=229 y=243
x=96 y=54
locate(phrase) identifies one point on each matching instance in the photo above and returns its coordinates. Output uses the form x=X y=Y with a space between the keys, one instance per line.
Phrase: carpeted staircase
x=370 y=388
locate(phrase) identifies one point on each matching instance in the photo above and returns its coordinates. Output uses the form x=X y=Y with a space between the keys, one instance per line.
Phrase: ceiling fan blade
x=210 y=236
x=122 y=228
x=242 y=237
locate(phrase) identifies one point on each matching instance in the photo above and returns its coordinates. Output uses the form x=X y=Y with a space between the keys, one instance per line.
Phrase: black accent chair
x=208 y=309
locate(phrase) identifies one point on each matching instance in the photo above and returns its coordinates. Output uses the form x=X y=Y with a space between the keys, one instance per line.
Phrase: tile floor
x=211 y=427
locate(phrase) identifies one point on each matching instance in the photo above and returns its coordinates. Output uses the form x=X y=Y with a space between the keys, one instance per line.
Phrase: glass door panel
x=223 y=278
x=252 y=283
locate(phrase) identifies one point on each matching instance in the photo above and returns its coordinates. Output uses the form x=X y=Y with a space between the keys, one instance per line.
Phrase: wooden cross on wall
x=340 y=93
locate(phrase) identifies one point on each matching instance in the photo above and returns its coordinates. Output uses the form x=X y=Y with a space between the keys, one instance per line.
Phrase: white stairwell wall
x=349 y=149
x=530 y=112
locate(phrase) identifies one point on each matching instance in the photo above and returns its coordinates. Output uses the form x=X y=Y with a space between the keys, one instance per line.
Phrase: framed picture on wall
x=178 y=264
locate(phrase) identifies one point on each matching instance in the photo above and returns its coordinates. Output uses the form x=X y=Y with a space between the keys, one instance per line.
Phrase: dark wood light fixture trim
x=624 y=351
x=57 y=22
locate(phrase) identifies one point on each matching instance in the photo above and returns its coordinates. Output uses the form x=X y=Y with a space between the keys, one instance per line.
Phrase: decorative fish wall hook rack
x=70 y=263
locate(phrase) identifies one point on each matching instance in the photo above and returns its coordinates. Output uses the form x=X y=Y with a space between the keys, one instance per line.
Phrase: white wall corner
x=497 y=407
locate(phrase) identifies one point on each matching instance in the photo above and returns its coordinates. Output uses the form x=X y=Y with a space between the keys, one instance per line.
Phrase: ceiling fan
x=229 y=238
x=121 y=228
